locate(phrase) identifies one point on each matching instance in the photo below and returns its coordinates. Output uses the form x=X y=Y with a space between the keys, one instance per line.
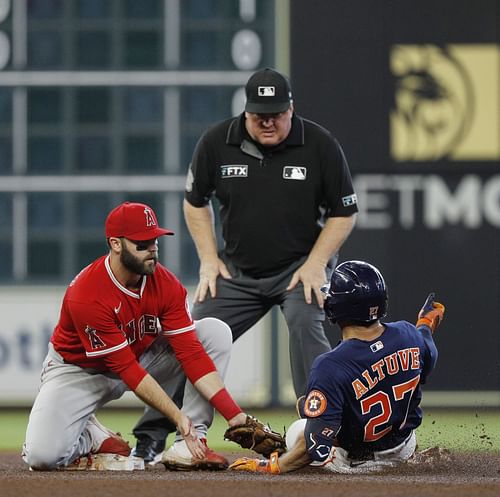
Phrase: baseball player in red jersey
x=125 y=324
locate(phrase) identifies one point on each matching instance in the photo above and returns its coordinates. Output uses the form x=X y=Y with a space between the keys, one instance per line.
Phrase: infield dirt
x=474 y=474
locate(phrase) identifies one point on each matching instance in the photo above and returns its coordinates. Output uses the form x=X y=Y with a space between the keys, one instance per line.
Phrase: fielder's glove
x=431 y=314
x=256 y=436
x=257 y=465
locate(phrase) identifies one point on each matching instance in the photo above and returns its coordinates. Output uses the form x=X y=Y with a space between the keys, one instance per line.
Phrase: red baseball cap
x=134 y=221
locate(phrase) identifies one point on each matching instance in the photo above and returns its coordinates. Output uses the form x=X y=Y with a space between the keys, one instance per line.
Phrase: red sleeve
x=124 y=363
x=178 y=326
x=189 y=351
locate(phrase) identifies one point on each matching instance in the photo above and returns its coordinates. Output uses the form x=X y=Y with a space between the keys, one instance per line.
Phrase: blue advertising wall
x=412 y=92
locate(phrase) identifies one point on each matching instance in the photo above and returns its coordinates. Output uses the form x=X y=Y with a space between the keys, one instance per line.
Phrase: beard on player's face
x=137 y=265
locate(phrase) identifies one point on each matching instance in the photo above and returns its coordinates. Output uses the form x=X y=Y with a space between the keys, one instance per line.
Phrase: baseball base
x=106 y=462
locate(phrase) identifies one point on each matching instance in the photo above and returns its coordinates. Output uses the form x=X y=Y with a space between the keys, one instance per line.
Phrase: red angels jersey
x=106 y=327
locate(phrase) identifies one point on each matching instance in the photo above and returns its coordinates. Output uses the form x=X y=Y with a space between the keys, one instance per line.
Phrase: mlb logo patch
x=375 y=347
x=234 y=171
x=266 y=91
x=295 y=172
x=349 y=200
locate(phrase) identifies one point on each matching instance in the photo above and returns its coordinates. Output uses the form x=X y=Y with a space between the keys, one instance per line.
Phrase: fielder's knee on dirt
x=41 y=458
x=46 y=446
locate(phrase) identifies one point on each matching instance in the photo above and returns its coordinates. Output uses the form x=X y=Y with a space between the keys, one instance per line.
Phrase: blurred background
x=102 y=101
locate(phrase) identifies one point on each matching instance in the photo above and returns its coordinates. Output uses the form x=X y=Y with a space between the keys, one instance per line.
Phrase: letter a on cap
x=150 y=220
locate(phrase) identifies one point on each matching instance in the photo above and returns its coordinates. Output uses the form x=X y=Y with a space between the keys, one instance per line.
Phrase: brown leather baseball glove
x=256 y=436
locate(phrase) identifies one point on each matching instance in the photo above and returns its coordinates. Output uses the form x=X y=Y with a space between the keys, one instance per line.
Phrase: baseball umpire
x=125 y=324
x=362 y=404
x=287 y=204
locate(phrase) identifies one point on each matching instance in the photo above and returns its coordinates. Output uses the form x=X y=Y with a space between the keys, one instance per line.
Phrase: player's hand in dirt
x=190 y=436
x=257 y=465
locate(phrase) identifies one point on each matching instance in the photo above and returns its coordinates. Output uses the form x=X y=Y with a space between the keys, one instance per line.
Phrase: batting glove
x=431 y=314
x=258 y=465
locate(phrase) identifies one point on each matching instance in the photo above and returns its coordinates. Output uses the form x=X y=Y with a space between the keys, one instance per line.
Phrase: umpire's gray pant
x=242 y=300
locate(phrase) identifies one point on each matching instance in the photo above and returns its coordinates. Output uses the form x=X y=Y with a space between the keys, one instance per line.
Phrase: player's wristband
x=224 y=403
x=424 y=322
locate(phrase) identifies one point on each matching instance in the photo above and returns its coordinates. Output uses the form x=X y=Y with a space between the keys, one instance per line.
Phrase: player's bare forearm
x=150 y=392
x=295 y=458
x=209 y=384
x=211 y=387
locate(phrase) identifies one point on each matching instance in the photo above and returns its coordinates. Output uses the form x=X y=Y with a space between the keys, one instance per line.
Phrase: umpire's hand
x=313 y=277
x=209 y=272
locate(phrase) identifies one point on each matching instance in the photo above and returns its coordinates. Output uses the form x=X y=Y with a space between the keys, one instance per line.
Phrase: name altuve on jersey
x=401 y=360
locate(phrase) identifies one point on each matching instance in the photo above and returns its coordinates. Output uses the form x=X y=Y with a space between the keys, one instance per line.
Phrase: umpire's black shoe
x=148 y=449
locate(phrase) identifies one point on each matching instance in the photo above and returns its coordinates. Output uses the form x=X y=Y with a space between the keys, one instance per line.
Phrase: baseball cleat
x=105 y=440
x=148 y=449
x=179 y=458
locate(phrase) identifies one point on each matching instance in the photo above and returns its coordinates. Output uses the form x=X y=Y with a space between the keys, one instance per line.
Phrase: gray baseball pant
x=242 y=300
x=69 y=395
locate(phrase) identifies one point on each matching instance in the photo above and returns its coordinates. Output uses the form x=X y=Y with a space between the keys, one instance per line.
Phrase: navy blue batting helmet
x=357 y=292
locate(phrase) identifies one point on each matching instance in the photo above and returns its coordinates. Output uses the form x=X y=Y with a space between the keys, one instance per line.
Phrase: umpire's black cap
x=268 y=92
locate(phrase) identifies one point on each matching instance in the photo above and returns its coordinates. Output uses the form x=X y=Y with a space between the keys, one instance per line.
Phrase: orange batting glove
x=431 y=314
x=257 y=465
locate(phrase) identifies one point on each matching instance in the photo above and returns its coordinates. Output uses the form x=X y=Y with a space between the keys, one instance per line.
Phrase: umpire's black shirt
x=272 y=199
